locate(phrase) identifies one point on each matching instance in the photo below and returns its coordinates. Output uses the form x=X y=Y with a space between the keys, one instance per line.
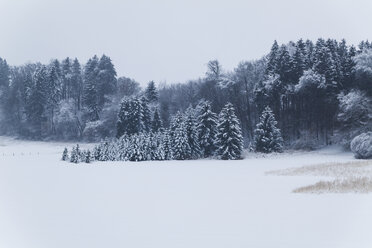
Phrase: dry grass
x=350 y=185
x=350 y=177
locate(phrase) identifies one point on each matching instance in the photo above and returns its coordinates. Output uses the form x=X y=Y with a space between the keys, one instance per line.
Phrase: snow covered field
x=45 y=202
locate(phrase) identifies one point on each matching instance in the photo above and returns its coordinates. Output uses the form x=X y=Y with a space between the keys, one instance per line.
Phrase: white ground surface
x=47 y=203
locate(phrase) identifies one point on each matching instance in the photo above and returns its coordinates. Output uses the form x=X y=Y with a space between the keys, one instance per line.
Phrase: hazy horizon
x=168 y=40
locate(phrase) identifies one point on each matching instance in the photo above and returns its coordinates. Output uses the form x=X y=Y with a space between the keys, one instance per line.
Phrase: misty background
x=171 y=40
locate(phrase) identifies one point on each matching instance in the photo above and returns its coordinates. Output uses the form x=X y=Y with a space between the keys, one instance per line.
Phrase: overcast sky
x=170 y=40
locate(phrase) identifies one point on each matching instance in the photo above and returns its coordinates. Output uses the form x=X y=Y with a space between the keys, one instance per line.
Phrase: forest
x=316 y=93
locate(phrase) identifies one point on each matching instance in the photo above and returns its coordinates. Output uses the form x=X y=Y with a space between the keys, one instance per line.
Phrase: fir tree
x=229 y=139
x=167 y=145
x=88 y=157
x=151 y=92
x=267 y=136
x=181 y=148
x=65 y=155
x=90 y=97
x=146 y=115
x=272 y=59
x=192 y=134
x=75 y=155
x=156 y=124
x=206 y=129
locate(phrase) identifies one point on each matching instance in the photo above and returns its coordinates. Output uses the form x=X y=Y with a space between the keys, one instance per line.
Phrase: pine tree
x=77 y=83
x=65 y=155
x=36 y=102
x=130 y=117
x=151 y=92
x=206 y=128
x=146 y=115
x=135 y=152
x=192 y=134
x=156 y=124
x=167 y=146
x=181 y=148
x=90 y=91
x=229 y=139
x=272 y=59
x=106 y=79
x=267 y=136
x=75 y=155
x=88 y=157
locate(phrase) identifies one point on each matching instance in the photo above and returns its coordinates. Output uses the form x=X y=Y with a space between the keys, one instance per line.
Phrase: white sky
x=170 y=40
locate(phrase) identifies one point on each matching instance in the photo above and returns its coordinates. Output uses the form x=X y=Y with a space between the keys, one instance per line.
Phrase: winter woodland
x=301 y=95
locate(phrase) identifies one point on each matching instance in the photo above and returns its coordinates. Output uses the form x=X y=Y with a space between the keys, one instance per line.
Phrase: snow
x=45 y=202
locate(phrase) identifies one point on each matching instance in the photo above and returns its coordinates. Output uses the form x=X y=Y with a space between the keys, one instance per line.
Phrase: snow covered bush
x=268 y=137
x=355 y=115
x=65 y=155
x=361 y=146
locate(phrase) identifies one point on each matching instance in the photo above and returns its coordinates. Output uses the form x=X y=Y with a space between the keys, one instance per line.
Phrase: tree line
x=320 y=93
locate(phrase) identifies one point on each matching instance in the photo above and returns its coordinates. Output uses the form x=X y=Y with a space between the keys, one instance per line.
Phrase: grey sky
x=170 y=40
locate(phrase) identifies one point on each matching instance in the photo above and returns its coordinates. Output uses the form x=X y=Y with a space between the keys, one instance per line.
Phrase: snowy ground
x=47 y=203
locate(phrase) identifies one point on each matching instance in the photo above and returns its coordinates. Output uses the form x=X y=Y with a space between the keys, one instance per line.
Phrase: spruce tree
x=181 y=148
x=65 y=155
x=207 y=122
x=192 y=133
x=145 y=115
x=156 y=124
x=151 y=92
x=268 y=137
x=88 y=157
x=90 y=90
x=167 y=146
x=229 y=139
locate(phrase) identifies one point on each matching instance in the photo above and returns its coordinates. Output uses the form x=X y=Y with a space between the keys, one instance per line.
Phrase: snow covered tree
x=268 y=137
x=167 y=145
x=135 y=150
x=151 y=92
x=65 y=155
x=88 y=157
x=207 y=123
x=75 y=154
x=156 y=124
x=90 y=90
x=106 y=79
x=229 y=139
x=145 y=115
x=130 y=117
x=36 y=102
x=77 y=83
x=181 y=148
x=192 y=133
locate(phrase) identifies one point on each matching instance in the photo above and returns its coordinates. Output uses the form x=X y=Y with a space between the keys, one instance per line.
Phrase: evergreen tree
x=36 y=101
x=151 y=92
x=88 y=157
x=167 y=145
x=156 y=124
x=146 y=115
x=271 y=67
x=77 y=83
x=192 y=133
x=229 y=139
x=181 y=148
x=267 y=136
x=75 y=154
x=106 y=79
x=65 y=155
x=66 y=78
x=90 y=97
x=207 y=122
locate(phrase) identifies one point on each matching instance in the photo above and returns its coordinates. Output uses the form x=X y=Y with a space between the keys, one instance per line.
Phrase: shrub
x=361 y=146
